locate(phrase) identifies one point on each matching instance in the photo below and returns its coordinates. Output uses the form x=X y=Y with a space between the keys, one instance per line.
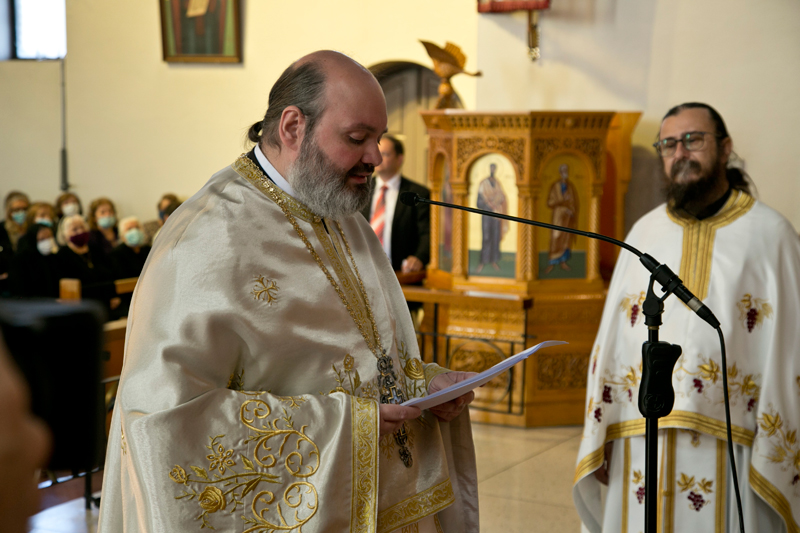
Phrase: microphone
x=668 y=280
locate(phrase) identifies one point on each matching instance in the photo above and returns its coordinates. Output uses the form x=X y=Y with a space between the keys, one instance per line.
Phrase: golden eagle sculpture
x=447 y=62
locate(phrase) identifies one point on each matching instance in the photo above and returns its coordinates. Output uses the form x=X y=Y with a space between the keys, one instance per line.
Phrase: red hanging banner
x=502 y=6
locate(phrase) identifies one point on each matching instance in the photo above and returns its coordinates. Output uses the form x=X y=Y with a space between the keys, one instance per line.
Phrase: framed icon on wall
x=201 y=31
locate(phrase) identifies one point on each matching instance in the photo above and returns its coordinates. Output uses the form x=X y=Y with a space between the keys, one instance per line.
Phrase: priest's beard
x=322 y=186
x=698 y=192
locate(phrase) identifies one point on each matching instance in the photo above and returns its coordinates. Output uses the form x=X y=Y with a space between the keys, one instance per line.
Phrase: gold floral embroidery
x=227 y=488
x=221 y=458
x=348 y=379
x=265 y=290
x=293 y=402
x=236 y=381
x=631 y=305
x=753 y=311
x=178 y=475
x=414 y=372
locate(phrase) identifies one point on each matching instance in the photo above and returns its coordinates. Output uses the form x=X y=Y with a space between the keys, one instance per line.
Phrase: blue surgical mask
x=134 y=237
x=44 y=222
x=18 y=217
x=107 y=222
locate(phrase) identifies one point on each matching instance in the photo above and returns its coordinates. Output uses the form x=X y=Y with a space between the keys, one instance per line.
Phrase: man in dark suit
x=403 y=230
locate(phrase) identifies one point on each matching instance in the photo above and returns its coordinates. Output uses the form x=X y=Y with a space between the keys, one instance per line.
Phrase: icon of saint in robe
x=563 y=200
x=491 y=197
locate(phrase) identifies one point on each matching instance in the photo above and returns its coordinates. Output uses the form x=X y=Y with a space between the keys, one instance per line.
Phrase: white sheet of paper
x=445 y=395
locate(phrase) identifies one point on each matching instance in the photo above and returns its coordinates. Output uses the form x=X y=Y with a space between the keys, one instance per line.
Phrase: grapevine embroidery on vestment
x=265 y=290
x=696 y=490
x=695 y=436
x=638 y=480
x=227 y=487
x=753 y=311
x=708 y=377
x=631 y=305
x=785 y=449
x=616 y=388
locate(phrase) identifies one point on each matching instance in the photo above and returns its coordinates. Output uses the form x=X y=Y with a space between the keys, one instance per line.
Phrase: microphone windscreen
x=409 y=198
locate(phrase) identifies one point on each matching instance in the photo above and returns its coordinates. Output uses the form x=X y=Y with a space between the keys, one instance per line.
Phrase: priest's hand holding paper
x=393 y=416
x=449 y=410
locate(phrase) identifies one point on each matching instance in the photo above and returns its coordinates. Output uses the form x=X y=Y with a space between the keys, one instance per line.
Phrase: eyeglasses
x=692 y=142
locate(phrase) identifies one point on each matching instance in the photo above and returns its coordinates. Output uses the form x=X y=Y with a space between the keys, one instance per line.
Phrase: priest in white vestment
x=268 y=340
x=743 y=260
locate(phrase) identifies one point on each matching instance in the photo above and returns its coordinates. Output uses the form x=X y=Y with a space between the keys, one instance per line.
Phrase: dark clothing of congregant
x=6 y=257
x=127 y=263
x=33 y=275
x=95 y=277
x=102 y=247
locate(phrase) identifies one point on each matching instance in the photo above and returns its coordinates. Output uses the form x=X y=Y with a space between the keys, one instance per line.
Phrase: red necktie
x=378 y=221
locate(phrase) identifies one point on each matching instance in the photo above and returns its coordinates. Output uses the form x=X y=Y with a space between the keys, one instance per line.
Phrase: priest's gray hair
x=302 y=86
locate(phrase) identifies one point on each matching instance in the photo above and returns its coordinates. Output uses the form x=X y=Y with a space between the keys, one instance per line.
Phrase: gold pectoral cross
x=391 y=393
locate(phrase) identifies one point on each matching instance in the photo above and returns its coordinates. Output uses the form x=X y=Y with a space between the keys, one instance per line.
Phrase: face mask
x=44 y=222
x=80 y=240
x=69 y=209
x=161 y=214
x=18 y=217
x=46 y=246
x=106 y=222
x=134 y=237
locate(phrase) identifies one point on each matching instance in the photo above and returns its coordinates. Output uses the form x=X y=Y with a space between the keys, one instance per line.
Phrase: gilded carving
x=514 y=148
x=562 y=370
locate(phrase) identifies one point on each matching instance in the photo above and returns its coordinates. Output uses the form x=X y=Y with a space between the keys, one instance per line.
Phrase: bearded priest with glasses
x=743 y=260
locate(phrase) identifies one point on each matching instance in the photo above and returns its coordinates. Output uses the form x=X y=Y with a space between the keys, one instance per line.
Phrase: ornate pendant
x=391 y=393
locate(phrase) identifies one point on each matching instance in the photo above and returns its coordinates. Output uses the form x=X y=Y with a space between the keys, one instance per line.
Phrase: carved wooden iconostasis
x=515 y=285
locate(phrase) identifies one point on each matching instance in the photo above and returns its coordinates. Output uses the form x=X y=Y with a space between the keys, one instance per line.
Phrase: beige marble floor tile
x=70 y=517
x=499 y=448
x=507 y=515
x=545 y=478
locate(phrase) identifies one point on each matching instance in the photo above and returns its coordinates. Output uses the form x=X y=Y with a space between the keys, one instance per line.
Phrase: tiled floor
x=524 y=483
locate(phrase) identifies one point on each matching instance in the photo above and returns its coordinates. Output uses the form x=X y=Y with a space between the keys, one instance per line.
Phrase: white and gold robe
x=744 y=263
x=248 y=397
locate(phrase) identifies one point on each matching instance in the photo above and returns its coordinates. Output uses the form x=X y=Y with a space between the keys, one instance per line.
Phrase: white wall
x=138 y=127
x=742 y=57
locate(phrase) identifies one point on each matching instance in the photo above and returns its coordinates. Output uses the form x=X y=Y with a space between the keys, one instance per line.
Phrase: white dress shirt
x=273 y=174
x=392 y=192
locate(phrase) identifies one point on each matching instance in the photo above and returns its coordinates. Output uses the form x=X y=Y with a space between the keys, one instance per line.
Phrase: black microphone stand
x=656 y=396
